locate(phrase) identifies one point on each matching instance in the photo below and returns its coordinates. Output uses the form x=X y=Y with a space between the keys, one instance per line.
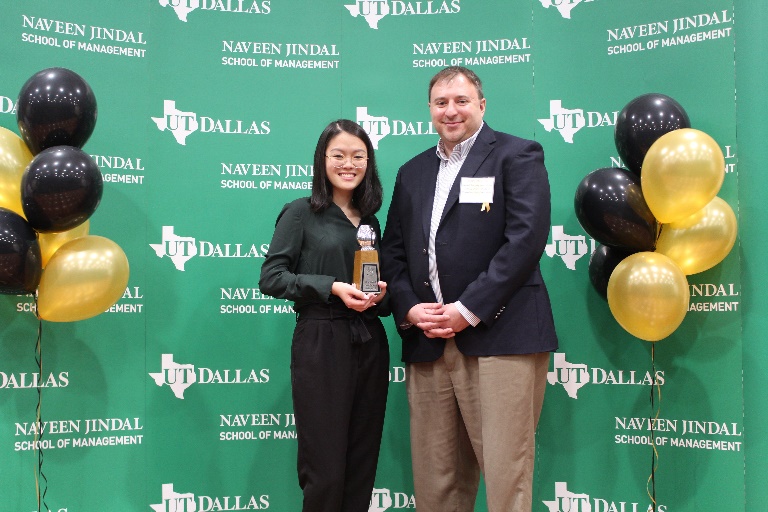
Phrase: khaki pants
x=471 y=415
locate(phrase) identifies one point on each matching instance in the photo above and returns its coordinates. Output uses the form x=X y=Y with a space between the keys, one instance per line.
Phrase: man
x=465 y=231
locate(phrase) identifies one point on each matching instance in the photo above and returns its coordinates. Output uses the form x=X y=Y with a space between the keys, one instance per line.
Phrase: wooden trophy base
x=365 y=273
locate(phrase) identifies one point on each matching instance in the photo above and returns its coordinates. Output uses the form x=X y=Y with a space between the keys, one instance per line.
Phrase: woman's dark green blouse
x=309 y=251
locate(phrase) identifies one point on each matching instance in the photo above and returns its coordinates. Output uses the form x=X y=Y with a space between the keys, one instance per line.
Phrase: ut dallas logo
x=184 y=7
x=178 y=122
x=570 y=248
x=564 y=120
x=563 y=6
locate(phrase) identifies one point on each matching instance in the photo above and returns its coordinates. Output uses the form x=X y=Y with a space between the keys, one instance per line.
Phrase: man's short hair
x=449 y=73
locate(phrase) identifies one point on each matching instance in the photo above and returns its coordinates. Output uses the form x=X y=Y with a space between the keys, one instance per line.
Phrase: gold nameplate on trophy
x=365 y=273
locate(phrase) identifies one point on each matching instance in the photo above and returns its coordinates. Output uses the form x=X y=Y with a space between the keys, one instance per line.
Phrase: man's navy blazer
x=488 y=260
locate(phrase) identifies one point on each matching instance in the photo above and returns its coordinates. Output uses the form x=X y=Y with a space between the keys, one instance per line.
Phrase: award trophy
x=365 y=273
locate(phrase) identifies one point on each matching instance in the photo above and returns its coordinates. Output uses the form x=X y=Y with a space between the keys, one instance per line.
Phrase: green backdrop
x=178 y=397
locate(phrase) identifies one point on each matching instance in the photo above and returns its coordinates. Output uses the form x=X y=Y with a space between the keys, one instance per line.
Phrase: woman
x=339 y=354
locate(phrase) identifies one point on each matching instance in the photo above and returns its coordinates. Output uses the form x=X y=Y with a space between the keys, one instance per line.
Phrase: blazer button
x=426 y=283
x=423 y=251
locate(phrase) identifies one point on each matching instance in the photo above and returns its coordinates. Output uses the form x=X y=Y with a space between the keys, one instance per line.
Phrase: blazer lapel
x=480 y=150
x=428 y=186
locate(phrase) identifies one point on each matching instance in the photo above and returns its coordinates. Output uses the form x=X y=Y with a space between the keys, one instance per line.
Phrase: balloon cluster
x=49 y=188
x=657 y=222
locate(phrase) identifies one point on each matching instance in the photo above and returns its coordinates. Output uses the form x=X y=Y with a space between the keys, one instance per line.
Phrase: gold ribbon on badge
x=486 y=207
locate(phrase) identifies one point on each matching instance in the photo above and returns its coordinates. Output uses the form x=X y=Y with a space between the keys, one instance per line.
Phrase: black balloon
x=611 y=208
x=60 y=189
x=601 y=265
x=20 y=260
x=642 y=122
x=56 y=107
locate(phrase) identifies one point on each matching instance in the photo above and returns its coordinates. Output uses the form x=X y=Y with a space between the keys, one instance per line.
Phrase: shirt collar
x=462 y=147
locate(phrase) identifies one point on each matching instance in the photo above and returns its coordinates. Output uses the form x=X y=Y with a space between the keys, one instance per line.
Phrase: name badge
x=477 y=190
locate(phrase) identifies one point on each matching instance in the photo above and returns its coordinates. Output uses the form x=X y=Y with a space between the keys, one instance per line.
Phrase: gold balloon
x=83 y=278
x=682 y=171
x=50 y=242
x=14 y=158
x=701 y=241
x=648 y=295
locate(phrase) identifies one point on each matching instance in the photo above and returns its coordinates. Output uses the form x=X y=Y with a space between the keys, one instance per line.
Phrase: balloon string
x=39 y=430
x=654 y=453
